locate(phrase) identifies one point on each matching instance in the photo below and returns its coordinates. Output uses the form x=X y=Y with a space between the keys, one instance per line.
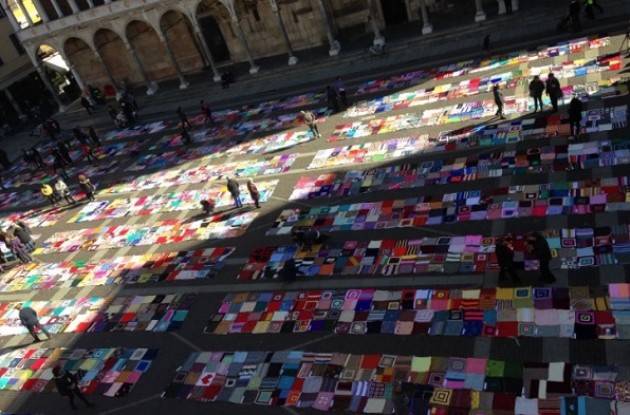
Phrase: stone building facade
x=109 y=42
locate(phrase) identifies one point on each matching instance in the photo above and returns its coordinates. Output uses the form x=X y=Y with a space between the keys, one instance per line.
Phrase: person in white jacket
x=64 y=191
x=29 y=319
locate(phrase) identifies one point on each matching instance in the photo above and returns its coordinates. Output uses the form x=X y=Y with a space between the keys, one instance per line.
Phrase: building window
x=17 y=44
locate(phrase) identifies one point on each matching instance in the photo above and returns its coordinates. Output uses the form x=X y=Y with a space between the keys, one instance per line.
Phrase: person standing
x=23 y=233
x=64 y=191
x=536 y=89
x=574 y=16
x=94 y=137
x=67 y=385
x=64 y=152
x=575 y=116
x=505 y=258
x=37 y=157
x=553 y=90
x=85 y=103
x=253 y=192
x=235 y=191
x=289 y=271
x=539 y=247
x=183 y=118
x=86 y=186
x=311 y=122
x=333 y=102
x=207 y=113
x=28 y=318
x=340 y=88
x=498 y=100
x=49 y=193
x=19 y=250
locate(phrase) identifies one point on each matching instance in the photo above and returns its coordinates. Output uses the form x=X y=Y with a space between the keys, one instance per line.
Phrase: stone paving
x=422 y=178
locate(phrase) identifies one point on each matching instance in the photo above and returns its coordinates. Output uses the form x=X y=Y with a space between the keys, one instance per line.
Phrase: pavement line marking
x=131 y=405
x=308 y=343
x=186 y=342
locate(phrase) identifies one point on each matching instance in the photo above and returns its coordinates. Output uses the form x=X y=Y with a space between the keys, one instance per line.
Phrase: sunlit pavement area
x=152 y=301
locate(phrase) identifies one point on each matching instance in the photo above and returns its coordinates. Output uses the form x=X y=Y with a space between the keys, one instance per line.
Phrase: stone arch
x=216 y=27
x=116 y=57
x=150 y=50
x=176 y=27
x=85 y=62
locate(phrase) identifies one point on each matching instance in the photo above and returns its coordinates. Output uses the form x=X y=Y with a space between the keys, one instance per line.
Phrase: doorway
x=394 y=12
x=214 y=39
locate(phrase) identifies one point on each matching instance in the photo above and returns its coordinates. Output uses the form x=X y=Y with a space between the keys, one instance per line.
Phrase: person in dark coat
x=183 y=118
x=332 y=98
x=37 y=157
x=289 y=271
x=185 y=137
x=505 y=258
x=253 y=192
x=536 y=89
x=235 y=191
x=64 y=152
x=94 y=137
x=85 y=103
x=540 y=249
x=553 y=90
x=68 y=385
x=575 y=116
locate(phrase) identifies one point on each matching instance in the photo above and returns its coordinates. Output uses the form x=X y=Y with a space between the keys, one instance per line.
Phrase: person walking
x=86 y=186
x=539 y=247
x=311 y=122
x=183 y=118
x=94 y=137
x=552 y=86
x=536 y=89
x=64 y=191
x=185 y=137
x=85 y=103
x=235 y=191
x=253 y=192
x=207 y=113
x=575 y=116
x=19 y=250
x=333 y=102
x=498 y=100
x=49 y=193
x=67 y=385
x=28 y=318
x=505 y=258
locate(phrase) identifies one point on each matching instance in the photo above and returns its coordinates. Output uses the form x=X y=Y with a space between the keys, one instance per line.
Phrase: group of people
x=60 y=190
x=18 y=238
x=127 y=112
x=573 y=20
x=235 y=191
x=536 y=245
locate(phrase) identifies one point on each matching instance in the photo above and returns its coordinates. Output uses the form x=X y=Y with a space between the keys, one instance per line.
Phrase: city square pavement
x=129 y=159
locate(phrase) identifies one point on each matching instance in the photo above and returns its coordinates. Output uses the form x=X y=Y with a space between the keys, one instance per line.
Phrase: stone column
x=480 y=16
x=49 y=85
x=276 y=10
x=40 y=10
x=152 y=87
x=25 y=12
x=57 y=8
x=183 y=84
x=427 y=27
x=73 y=70
x=14 y=23
x=74 y=6
x=206 y=50
x=379 y=40
x=335 y=47
x=502 y=7
x=13 y=103
x=514 y=5
x=90 y=3
x=109 y=73
x=253 y=68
